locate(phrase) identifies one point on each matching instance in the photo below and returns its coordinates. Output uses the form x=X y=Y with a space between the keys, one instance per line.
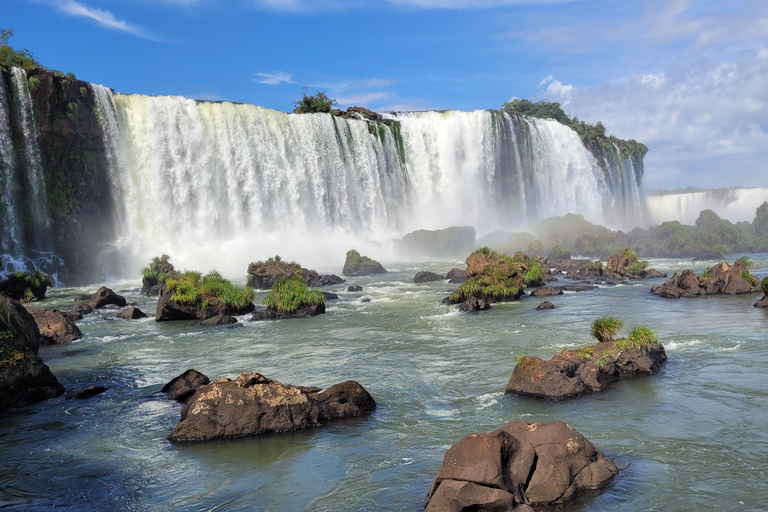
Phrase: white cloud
x=104 y=18
x=654 y=81
x=545 y=80
x=274 y=78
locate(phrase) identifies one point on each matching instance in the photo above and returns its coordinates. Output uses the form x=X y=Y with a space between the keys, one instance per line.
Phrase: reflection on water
x=691 y=437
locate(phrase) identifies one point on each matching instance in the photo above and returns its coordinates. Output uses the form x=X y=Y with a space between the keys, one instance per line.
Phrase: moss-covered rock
x=156 y=273
x=26 y=286
x=193 y=296
x=263 y=274
x=290 y=298
x=358 y=265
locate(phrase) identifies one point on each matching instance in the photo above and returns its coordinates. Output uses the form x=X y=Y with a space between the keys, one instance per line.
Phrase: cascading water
x=34 y=168
x=9 y=229
x=735 y=205
x=218 y=184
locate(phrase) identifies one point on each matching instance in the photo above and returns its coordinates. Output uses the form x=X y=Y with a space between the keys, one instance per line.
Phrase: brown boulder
x=456 y=276
x=545 y=305
x=220 y=319
x=54 y=326
x=427 y=277
x=720 y=279
x=253 y=404
x=185 y=385
x=473 y=304
x=271 y=314
x=106 y=297
x=132 y=313
x=520 y=464
x=762 y=303
x=547 y=291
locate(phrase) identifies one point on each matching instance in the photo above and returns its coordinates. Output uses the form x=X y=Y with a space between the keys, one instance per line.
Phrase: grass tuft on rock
x=291 y=294
x=637 y=268
x=606 y=328
x=500 y=278
x=194 y=289
x=764 y=285
x=639 y=337
x=159 y=269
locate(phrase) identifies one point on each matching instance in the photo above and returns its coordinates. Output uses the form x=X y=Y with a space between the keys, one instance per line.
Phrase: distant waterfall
x=9 y=228
x=34 y=167
x=735 y=204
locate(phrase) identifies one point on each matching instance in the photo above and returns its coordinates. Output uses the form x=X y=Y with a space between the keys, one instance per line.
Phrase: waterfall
x=10 y=242
x=35 y=180
x=735 y=205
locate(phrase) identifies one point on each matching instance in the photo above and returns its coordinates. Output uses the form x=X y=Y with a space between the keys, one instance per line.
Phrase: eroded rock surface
x=55 y=326
x=722 y=279
x=519 y=465
x=253 y=404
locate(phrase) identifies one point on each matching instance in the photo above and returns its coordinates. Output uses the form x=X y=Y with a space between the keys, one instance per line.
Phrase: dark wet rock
x=330 y=295
x=578 y=287
x=355 y=289
x=573 y=373
x=220 y=319
x=441 y=243
x=185 y=385
x=24 y=379
x=171 y=310
x=19 y=284
x=106 y=297
x=263 y=274
x=82 y=297
x=549 y=279
x=54 y=326
x=456 y=276
x=72 y=315
x=545 y=305
x=560 y=266
x=547 y=291
x=81 y=308
x=518 y=466
x=132 y=313
x=762 y=303
x=722 y=279
x=365 y=299
x=473 y=304
x=358 y=265
x=82 y=394
x=624 y=265
x=267 y=314
x=427 y=277
x=161 y=271
x=253 y=405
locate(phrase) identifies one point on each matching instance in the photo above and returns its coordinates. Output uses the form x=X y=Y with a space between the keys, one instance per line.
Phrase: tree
x=10 y=57
x=317 y=102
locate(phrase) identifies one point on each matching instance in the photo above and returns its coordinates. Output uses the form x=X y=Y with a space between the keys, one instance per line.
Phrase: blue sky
x=689 y=79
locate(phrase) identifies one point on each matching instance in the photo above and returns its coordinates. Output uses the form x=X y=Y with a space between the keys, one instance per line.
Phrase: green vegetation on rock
x=26 y=286
x=313 y=103
x=764 y=285
x=12 y=58
x=159 y=269
x=194 y=289
x=639 y=337
x=497 y=277
x=606 y=328
x=289 y=294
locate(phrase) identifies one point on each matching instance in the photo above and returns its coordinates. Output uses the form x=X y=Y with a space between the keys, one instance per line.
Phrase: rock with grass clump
x=592 y=368
x=495 y=277
x=193 y=296
x=518 y=466
x=156 y=273
x=55 y=327
x=253 y=405
x=24 y=379
x=263 y=274
x=290 y=298
x=763 y=303
x=357 y=265
x=185 y=385
x=627 y=265
x=26 y=286
x=721 y=279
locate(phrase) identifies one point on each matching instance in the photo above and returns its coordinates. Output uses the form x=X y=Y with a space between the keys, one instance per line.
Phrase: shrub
x=639 y=337
x=291 y=294
x=10 y=57
x=595 y=266
x=34 y=83
x=159 y=269
x=606 y=328
x=317 y=102
x=26 y=286
x=559 y=252
x=637 y=268
x=534 y=276
x=194 y=289
x=764 y=285
x=746 y=262
x=631 y=255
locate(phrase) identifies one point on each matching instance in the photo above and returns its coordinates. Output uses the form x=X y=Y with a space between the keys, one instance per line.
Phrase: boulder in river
x=427 y=277
x=474 y=304
x=185 y=385
x=545 y=305
x=220 y=319
x=762 y=303
x=253 y=404
x=456 y=276
x=263 y=274
x=106 y=297
x=156 y=273
x=55 y=326
x=518 y=466
x=26 y=286
x=132 y=313
x=355 y=288
x=358 y=265
x=627 y=265
x=193 y=296
x=82 y=394
x=721 y=279
x=24 y=379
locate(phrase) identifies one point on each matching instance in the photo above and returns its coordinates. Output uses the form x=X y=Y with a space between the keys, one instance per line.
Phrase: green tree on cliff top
x=10 y=57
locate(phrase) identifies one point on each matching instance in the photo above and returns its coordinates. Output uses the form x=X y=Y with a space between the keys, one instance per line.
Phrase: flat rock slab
x=517 y=466
x=573 y=373
x=55 y=326
x=253 y=404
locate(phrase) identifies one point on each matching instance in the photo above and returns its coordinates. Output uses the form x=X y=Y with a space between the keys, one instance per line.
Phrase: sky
x=688 y=79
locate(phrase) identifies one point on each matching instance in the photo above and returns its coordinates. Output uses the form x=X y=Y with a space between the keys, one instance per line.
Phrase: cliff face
x=78 y=200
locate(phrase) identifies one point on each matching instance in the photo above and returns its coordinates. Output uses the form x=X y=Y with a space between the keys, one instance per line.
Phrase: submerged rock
x=253 y=404
x=309 y=310
x=220 y=319
x=357 y=265
x=518 y=466
x=55 y=326
x=82 y=394
x=587 y=370
x=132 y=313
x=185 y=385
x=427 y=277
x=354 y=288
x=545 y=305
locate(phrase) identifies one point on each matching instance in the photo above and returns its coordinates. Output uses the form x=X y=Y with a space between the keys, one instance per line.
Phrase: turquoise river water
x=693 y=437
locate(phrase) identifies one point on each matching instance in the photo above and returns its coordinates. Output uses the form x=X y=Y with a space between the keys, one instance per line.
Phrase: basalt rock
x=82 y=394
x=81 y=308
x=722 y=279
x=106 y=297
x=518 y=466
x=219 y=319
x=19 y=284
x=456 y=276
x=172 y=310
x=473 y=304
x=623 y=265
x=185 y=385
x=358 y=265
x=271 y=314
x=253 y=405
x=762 y=303
x=545 y=305
x=547 y=291
x=427 y=277
x=24 y=379
x=573 y=373
x=54 y=326
x=132 y=313
x=263 y=274
x=355 y=289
